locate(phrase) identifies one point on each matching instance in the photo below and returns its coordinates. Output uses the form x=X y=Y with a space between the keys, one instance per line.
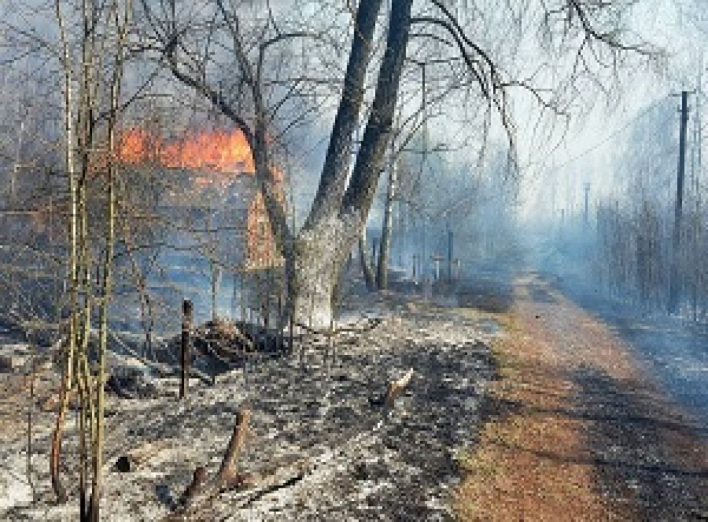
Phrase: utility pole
x=449 y=254
x=674 y=283
x=587 y=196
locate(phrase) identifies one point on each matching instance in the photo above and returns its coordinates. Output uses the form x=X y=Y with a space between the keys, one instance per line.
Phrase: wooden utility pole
x=674 y=283
x=374 y=248
x=387 y=226
x=449 y=255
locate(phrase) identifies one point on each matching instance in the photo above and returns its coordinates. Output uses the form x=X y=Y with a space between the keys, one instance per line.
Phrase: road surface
x=581 y=427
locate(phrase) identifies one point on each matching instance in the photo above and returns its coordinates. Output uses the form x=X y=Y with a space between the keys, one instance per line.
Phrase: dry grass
x=543 y=453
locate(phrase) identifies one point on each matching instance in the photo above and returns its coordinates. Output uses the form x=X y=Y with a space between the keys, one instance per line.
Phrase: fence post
x=186 y=345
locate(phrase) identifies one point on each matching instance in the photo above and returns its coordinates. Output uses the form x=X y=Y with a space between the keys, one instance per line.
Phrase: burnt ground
x=361 y=463
x=577 y=428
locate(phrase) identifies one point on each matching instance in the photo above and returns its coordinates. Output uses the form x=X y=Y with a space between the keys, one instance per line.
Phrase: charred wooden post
x=198 y=480
x=449 y=255
x=436 y=258
x=187 y=310
x=333 y=344
x=227 y=471
x=282 y=298
x=270 y=290
x=291 y=333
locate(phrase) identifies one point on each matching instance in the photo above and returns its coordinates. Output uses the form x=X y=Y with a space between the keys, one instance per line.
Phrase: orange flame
x=220 y=154
x=212 y=151
x=135 y=146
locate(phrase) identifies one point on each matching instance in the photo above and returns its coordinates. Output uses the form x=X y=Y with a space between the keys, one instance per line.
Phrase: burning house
x=212 y=194
x=216 y=232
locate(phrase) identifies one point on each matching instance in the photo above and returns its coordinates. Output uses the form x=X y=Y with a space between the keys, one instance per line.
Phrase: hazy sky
x=586 y=151
x=593 y=143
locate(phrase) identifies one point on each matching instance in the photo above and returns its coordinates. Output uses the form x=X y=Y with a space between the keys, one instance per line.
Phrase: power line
x=608 y=138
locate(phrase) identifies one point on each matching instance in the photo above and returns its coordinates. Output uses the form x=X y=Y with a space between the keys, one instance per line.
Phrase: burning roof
x=215 y=158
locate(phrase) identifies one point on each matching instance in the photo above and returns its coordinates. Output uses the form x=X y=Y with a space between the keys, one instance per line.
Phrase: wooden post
x=291 y=334
x=229 y=464
x=436 y=259
x=280 y=330
x=186 y=344
x=674 y=276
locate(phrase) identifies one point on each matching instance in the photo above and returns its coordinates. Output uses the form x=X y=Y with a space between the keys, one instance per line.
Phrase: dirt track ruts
x=577 y=429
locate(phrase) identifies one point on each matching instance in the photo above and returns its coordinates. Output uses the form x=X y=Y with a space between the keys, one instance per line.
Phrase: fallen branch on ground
x=367 y=326
x=257 y=485
x=395 y=388
x=201 y=489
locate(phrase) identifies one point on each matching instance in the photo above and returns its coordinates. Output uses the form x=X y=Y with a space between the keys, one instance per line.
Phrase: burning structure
x=212 y=187
x=189 y=214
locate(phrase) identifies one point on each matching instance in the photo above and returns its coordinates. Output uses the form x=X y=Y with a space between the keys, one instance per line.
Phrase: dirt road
x=578 y=429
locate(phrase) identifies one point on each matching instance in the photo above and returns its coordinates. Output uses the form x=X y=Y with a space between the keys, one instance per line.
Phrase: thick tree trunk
x=319 y=255
x=325 y=242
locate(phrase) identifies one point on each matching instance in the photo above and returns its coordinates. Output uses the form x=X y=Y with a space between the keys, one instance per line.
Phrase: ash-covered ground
x=361 y=463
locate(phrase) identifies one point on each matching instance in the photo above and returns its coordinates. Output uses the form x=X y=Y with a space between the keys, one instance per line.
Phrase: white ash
x=401 y=468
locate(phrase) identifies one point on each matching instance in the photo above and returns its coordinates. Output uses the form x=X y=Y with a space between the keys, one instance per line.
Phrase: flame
x=135 y=146
x=213 y=151
x=210 y=151
x=215 y=157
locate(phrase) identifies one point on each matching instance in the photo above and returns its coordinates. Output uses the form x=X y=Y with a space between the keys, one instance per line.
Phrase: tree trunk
x=70 y=350
x=387 y=228
x=367 y=270
x=318 y=258
x=325 y=242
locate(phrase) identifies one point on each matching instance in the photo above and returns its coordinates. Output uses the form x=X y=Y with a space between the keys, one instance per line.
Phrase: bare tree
x=316 y=253
x=92 y=80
